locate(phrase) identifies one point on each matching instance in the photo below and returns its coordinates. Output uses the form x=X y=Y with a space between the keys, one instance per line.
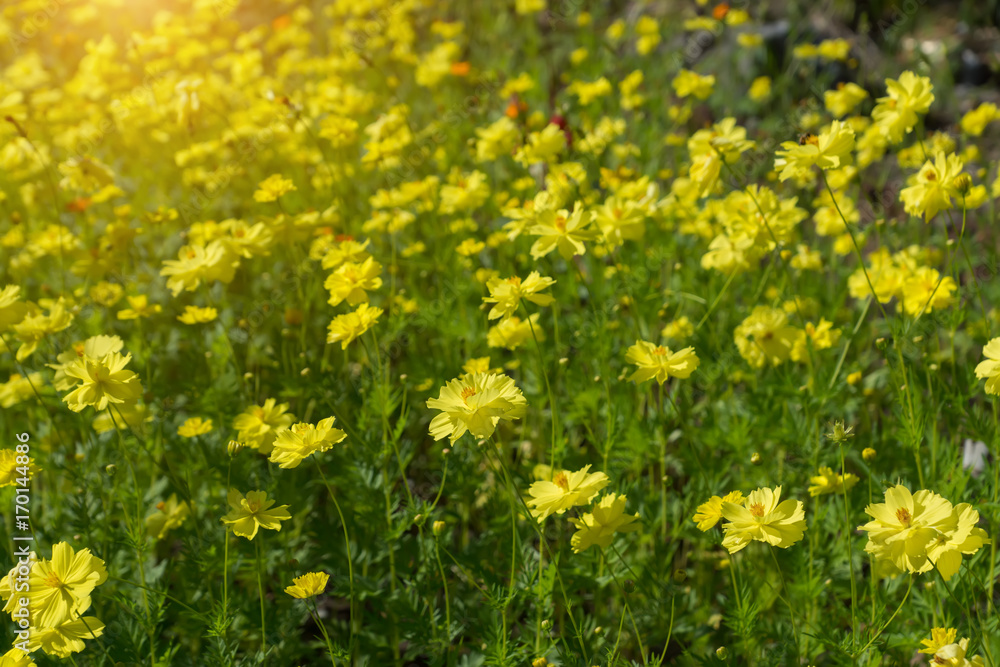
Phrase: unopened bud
x=438 y=527
x=868 y=454
x=111 y=470
x=234 y=447
x=840 y=433
x=722 y=653
x=962 y=183
x=755 y=458
x=680 y=576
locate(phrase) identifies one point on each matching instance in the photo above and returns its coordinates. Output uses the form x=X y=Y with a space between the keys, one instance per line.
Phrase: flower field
x=399 y=332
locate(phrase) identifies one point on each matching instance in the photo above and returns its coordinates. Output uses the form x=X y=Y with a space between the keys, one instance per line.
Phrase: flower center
x=53 y=581
x=515 y=281
x=660 y=351
x=561 y=481
x=467 y=392
x=561 y=223
x=904 y=516
x=253 y=505
x=757 y=509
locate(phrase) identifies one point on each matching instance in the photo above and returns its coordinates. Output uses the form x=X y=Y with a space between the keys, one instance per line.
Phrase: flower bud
x=755 y=458
x=840 y=433
x=868 y=454
x=680 y=576
x=539 y=662
x=722 y=653
x=111 y=470
x=962 y=183
x=234 y=447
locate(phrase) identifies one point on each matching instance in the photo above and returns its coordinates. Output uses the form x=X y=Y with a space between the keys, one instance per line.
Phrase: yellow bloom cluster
x=57 y=596
x=566 y=490
x=915 y=532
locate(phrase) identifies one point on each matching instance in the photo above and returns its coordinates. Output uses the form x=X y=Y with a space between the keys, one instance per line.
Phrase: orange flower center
x=757 y=509
x=904 y=516
x=561 y=223
x=53 y=581
x=561 y=480
x=515 y=281
x=467 y=392
x=660 y=351
x=253 y=505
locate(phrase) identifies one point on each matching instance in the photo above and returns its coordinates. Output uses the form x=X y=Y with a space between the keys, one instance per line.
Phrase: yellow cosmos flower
x=60 y=587
x=765 y=518
x=542 y=146
x=259 y=426
x=940 y=637
x=660 y=362
x=345 y=249
x=12 y=309
x=975 y=121
x=169 y=514
x=598 y=527
x=102 y=381
x=249 y=514
x=766 y=337
x=308 y=585
x=513 y=332
x=199 y=263
x=925 y=290
x=896 y=113
x=844 y=99
x=139 y=307
x=692 y=84
x=197 y=315
x=475 y=404
x=830 y=150
x=272 y=188
x=828 y=481
x=302 y=440
x=194 y=427
x=564 y=231
x=35 y=326
x=508 y=293
x=66 y=638
x=351 y=282
x=934 y=186
x=955 y=655
x=565 y=490
x=19 y=388
x=347 y=327
x=946 y=550
x=915 y=532
x=16 y=658
x=709 y=513
x=989 y=368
